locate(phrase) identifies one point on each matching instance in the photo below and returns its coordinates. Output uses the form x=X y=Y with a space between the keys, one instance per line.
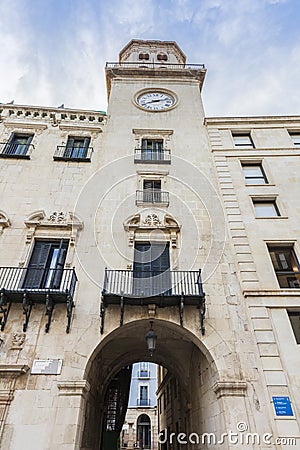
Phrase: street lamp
x=151 y=339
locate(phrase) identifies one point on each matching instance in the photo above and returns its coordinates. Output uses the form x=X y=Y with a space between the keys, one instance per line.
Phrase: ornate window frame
x=149 y=224
x=4 y=221
x=57 y=225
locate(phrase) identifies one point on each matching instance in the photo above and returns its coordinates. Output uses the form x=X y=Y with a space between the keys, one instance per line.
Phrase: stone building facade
x=140 y=426
x=106 y=221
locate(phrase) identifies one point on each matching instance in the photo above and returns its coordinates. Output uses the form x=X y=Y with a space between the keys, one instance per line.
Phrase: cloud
x=56 y=53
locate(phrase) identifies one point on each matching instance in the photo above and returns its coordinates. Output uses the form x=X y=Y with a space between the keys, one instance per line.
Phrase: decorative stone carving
x=4 y=221
x=18 y=340
x=58 y=217
x=152 y=220
x=58 y=224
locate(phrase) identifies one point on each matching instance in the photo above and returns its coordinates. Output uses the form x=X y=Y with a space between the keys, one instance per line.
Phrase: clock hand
x=152 y=101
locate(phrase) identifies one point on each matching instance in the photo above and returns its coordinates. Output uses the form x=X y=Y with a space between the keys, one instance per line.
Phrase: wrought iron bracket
x=70 y=306
x=121 y=310
x=49 y=311
x=27 y=307
x=181 y=309
x=202 y=309
x=102 y=315
x=4 y=310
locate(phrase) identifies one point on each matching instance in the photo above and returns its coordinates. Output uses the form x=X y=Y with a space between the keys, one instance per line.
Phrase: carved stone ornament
x=152 y=220
x=148 y=221
x=4 y=221
x=58 y=217
x=55 y=219
x=18 y=340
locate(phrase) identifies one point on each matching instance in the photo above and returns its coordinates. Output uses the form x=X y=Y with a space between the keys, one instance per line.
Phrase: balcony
x=153 y=65
x=15 y=150
x=160 y=288
x=79 y=154
x=152 y=156
x=19 y=285
x=143 y=402
x=152 y=196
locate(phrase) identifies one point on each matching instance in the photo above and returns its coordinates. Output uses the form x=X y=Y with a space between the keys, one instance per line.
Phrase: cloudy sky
x=54 y=51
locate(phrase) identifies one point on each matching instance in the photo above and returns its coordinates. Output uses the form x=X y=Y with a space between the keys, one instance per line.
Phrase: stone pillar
x=130 y=436
x=70 y=404
x=231 y=393
x=8 y=375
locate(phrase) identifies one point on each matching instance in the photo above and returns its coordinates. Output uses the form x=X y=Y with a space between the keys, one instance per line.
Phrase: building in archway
x=167 y=221
x=141 y=425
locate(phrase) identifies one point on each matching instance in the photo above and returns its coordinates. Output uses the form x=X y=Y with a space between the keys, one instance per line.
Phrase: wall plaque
x=46 y=367
x=282 y=406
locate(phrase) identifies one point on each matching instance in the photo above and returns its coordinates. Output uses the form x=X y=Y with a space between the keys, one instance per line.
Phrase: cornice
x=13 y=370
x=228 y=121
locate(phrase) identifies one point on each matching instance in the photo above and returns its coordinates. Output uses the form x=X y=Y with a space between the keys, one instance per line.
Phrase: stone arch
x=176 y=347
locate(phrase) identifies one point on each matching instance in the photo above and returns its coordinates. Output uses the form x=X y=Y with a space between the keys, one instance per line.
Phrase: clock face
x=156 y=101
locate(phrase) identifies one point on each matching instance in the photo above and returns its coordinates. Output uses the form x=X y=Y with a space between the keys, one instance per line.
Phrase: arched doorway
x=178 y=350
x=144 y=431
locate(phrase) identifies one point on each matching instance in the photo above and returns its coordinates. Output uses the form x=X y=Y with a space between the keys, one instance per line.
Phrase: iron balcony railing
x=29 y=285
x=143 y=402
x=15 y=150
x=65 y=153
x=152 y=156
x=152 y=196
x=153 y=287
x=153 y=65
x=130 y=283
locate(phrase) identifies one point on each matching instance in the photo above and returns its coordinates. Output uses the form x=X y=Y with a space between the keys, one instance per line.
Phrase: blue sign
x=282 y=406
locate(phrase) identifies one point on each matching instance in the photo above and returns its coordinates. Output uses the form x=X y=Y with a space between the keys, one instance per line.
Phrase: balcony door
x=152 y=149
x=77 y=147
x=152 y=191
x=151 y=269
x=46 y=265
x=144 y=431
x=18 y=144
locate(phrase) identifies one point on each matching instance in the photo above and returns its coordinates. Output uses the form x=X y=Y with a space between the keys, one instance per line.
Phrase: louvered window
x=46 y=265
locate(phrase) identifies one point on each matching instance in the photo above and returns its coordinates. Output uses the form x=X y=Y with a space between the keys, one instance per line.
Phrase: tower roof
x=153 y=43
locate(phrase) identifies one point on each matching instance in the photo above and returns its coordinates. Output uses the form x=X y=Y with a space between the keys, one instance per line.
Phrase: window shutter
x=8 y=150
x=86 y=142
x=59 y=265
x=37 y=265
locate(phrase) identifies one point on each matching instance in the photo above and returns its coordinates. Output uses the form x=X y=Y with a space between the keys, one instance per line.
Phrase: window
x=152 y=191
x=77 y=147
x=286 y=265
x=254 y=173
x=144 y=56
x=18 y=146
x=144 y=399
x=144 y=370
x=46 y=265
x=152 y=149
x=294 y=317
x=265 y=208
x=295 y=136
x=162 y=57
x=242 y=140
x=151 y=266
